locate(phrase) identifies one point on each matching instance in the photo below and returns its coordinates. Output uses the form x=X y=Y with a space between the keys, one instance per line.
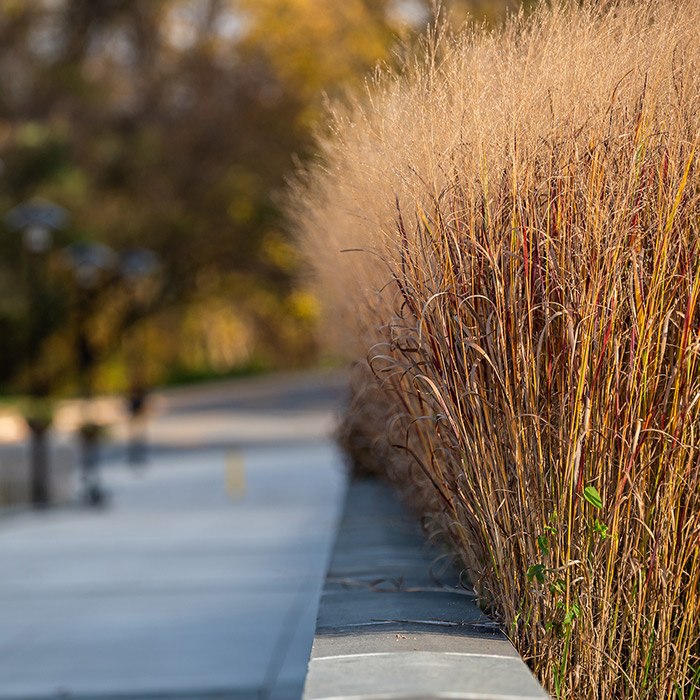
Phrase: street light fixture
x=37 y=212
x=36 y=220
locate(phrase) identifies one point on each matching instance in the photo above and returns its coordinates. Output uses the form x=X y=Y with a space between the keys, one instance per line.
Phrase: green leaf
x=571 y=614
x=543 y=544
x=601 y=529
x=558 y=587
x=591 y=495
x=536 y=572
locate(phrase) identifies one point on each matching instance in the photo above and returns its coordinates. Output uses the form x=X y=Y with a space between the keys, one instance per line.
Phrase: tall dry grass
x=508 y=233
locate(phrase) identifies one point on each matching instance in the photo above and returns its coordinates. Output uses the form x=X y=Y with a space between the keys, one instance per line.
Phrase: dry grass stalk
x=522 y=212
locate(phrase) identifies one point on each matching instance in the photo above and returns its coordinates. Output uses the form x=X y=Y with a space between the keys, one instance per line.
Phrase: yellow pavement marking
x=235 y=474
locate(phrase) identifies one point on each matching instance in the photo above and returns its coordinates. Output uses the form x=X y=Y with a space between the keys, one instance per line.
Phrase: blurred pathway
x=201 y=578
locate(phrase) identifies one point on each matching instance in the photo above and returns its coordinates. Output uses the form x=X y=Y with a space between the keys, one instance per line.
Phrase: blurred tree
x=137 y=117
x=169 y=124
x=312 y=46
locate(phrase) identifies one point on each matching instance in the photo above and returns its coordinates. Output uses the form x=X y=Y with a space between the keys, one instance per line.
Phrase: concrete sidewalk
x=200 y=580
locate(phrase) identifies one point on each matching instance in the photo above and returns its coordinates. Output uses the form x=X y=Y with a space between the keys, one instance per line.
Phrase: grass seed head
x=508 y=231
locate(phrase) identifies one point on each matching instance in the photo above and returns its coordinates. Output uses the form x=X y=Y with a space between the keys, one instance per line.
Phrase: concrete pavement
x=201 y=578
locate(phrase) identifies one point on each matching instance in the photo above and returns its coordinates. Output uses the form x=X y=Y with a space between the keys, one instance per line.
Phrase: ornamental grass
x=505 y=232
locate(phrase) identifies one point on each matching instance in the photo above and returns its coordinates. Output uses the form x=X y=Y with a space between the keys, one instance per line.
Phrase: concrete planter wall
x=387 y=629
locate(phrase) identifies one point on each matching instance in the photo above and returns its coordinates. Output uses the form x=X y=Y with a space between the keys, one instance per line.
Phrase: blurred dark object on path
x=137 y=404
x=93 y=491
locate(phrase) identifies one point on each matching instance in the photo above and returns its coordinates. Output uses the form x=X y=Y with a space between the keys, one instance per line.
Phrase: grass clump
x=507 y=232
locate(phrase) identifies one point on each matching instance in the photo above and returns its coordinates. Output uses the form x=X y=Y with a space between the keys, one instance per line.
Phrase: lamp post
x=137 y=267
x=90 y=263
x=36 y=220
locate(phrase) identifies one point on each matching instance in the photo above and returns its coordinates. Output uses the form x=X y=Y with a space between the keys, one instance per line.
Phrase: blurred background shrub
x=170 y=125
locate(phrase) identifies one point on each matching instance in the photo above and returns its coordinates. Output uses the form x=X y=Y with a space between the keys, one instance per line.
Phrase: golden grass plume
x=507 y=231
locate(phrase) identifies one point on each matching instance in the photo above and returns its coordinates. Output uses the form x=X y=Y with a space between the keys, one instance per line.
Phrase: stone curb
x=387 y=630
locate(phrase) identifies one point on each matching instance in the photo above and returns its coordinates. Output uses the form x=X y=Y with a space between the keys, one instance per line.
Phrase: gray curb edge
x=386 y=629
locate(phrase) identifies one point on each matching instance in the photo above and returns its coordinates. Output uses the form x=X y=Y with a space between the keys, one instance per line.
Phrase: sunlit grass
x=507 y=235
